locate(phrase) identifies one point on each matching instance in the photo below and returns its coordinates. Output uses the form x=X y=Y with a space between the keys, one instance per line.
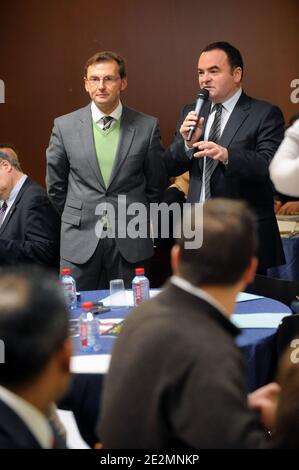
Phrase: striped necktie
x=107 y=121
x=214 y=136
x=2 y=212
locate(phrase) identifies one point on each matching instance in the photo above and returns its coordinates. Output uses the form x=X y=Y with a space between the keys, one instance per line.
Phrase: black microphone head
x=203 y=94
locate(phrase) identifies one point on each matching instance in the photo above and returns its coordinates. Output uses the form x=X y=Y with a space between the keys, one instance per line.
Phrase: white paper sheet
x=129 y=298
x=258 y=320
x=90 y=364
x=244 y=297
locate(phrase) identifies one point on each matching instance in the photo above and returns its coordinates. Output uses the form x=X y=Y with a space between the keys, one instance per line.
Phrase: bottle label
x=83 y=335
x=138 y=298
x=141 y=291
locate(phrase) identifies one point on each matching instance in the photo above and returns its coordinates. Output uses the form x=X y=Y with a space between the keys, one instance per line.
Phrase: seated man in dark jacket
x=29 y=224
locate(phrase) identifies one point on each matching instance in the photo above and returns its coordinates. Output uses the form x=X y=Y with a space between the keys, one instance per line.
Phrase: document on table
x=244 y=297
x=129 y=298
x=90 y=364
x=258 y=320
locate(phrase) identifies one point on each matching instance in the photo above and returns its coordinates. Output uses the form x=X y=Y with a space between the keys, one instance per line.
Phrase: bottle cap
x=87 y=305
x=139 y=271
x=65 y=271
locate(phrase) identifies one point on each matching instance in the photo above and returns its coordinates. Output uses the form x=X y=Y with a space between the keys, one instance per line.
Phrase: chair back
x=279 y=289
x=287 y=331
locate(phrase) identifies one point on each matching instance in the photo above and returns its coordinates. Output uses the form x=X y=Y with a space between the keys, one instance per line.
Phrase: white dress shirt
x=97 y=114
x=227 y=109
x=13 y=195
x=34 y=420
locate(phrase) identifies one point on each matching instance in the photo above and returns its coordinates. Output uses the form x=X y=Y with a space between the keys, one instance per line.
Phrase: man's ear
x=64 y=355
x=124 y=84
x=250 y=272
x=237 y=74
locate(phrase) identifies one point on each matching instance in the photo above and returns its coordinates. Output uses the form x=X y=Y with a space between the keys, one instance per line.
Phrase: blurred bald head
x=8 y=152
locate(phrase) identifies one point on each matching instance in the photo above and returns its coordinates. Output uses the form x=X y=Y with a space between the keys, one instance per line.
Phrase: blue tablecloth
x=257 y=344
x=290 y=270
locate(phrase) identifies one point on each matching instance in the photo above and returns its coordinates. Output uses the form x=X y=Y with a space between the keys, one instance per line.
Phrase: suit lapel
x=127 y=131
x=236 y=119
x=87 y=141
x=26 y=184
x=15 y=431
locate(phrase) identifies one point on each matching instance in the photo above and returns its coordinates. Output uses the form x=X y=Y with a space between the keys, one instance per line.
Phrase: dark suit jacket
x=14 y=433
x=252 y=135
x=76 y=186
x=30 y=231
x=177 y=380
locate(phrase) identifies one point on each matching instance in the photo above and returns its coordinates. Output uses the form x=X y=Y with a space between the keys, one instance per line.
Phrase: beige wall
x=44 y=44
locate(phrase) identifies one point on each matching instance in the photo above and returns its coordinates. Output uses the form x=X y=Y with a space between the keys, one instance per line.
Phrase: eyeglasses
x=96 y=81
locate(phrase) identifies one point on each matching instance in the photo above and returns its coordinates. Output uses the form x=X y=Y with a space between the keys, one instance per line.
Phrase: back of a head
x=8 y=152
x=229 y=243
x=33 y=323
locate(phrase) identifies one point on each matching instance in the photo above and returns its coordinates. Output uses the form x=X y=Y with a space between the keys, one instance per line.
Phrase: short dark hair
x=229 y=242
x=33 y=322
x=107 y=56
x=233 y=54
x=5 y=156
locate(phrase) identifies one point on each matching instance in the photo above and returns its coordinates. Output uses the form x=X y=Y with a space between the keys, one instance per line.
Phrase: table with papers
x=258 y=318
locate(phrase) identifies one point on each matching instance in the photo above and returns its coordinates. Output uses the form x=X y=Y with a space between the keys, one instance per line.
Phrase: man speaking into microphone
x=228 y=143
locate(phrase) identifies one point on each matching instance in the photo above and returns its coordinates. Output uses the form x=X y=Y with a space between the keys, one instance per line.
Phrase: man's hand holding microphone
x=191 y=130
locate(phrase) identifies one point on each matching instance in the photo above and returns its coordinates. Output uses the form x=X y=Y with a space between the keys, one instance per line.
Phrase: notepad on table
x=258 y=320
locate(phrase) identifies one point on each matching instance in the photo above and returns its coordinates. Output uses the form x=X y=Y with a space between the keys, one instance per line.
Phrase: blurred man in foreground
x=36 y=351
x=177 y=378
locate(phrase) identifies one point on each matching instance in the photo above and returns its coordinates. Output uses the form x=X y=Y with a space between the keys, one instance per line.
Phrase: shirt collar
x=15 y=190
x=217 y=312
x=97 y=114
x=35 y=421
x=188 y=287
x=229 y=104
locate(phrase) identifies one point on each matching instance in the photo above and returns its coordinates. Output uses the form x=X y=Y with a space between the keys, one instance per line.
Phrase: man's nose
x=205 y=77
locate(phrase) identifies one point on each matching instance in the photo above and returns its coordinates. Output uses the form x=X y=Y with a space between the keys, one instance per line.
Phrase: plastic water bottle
x=69 y=288
x=140 y=287
x=88 y=329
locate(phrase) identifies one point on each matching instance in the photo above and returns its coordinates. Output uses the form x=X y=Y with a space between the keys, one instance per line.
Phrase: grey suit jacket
x=76 y=187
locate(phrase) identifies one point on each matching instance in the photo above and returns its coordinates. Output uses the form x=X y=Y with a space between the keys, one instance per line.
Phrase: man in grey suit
x=101 y=159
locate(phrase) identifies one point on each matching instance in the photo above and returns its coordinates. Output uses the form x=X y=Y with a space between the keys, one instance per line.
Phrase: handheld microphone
x=202 y=97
